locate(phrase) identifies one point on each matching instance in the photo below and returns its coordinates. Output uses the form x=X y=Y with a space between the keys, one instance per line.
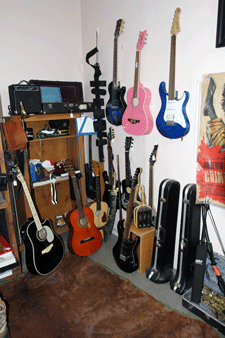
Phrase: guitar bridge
x=170 y=123
x=87 y=239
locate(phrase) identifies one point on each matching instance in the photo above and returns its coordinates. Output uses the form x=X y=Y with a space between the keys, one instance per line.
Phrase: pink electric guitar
x=137 y=119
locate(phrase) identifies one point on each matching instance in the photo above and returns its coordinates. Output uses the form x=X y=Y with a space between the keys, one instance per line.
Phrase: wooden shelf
x=50 y=117
x=52 y=138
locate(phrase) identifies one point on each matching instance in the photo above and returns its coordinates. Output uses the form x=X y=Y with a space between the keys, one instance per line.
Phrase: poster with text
x=211 y=147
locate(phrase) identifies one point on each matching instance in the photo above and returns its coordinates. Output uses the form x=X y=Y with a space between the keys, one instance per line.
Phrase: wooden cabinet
x=5 y=203
x=55 y=148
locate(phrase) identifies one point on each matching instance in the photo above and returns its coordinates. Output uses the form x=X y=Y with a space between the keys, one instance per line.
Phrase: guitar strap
x=53 y=190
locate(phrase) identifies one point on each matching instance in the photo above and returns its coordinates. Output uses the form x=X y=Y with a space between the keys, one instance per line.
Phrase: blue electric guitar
x=172 y=121
x=116 y=104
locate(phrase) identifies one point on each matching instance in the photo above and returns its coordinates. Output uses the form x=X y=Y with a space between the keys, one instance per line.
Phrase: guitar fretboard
x=172 y=68
x=29 y=200
x=78 y=198
x=151 y=186
x=115 y=60
x=129 y=214
x=137 y=73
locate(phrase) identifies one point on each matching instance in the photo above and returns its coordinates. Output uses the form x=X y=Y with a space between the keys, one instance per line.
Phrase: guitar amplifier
x=28 y=96
x=189 y=239
x=161 y=269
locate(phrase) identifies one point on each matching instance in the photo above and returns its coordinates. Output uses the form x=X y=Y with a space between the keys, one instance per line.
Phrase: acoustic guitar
x=125 y=250
x=84 y=237
x=172 y=121
x=99 y=208
x=44 y=249
x=137 y=118
x=116 y=105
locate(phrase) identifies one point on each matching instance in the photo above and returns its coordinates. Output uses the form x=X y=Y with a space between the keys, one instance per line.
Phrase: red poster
x=211 y=150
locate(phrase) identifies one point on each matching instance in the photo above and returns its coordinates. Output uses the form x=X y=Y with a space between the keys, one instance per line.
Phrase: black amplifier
x=62 y=107
x=26 y=96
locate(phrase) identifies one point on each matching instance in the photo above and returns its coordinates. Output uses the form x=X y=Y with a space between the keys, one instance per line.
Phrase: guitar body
x=174 y=110
x=125 y=195
x=137 y=119
x=116 y=105
x=100 y=216
x=83 y=239
x=128 y=249
x=42 y=256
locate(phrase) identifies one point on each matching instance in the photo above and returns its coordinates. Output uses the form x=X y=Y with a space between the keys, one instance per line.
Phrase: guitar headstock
x=176 y=24
x=152 y=158
x=119 y=27
x=95 y=166
x=69 y=167
x=136 y=178
x=128 y=143
x=110 y=135
x=141 y=40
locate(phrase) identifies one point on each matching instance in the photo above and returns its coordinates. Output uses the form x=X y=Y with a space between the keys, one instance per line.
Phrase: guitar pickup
x=123 y=258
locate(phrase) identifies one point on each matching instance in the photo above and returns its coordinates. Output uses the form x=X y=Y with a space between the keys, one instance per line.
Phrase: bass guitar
x=137 y=118
x=172 y=121
x=125 y=250
x=44 y=249
x=100 y=209
x=116 y=104
x=126 y=184
x=84 y=237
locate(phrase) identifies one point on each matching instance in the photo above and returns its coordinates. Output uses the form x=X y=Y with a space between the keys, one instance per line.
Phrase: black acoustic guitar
x=125 y=250
x=116 y=104
x=44 y=249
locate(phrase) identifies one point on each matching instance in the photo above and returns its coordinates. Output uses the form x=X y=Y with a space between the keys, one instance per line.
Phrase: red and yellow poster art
x=211 y=148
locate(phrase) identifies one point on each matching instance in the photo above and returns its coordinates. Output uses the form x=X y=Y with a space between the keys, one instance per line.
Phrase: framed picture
x=220 y=34
x=211 y=149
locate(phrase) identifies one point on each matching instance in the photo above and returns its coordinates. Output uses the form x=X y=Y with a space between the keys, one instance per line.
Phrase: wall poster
x=211 y=147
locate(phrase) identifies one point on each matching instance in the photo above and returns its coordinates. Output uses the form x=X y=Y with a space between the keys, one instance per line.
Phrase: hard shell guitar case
x=189 y=239
x=161 y=269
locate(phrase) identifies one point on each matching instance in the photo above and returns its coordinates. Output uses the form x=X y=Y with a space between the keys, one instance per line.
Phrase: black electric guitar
x=126 y=184
x=44 y=249
x=109 y=180
x=125 y=250
x=116 y=104
x=152 y=160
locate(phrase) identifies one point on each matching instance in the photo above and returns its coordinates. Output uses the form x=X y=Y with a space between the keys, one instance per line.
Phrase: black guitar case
x=161 y=269
x=189 y=239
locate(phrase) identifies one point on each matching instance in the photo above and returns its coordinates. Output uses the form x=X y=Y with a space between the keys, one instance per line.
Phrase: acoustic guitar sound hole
x=133 y=121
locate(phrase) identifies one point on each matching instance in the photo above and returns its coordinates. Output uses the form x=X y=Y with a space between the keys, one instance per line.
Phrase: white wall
x=196 y=56
x=39 y=40
x=49 y=39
